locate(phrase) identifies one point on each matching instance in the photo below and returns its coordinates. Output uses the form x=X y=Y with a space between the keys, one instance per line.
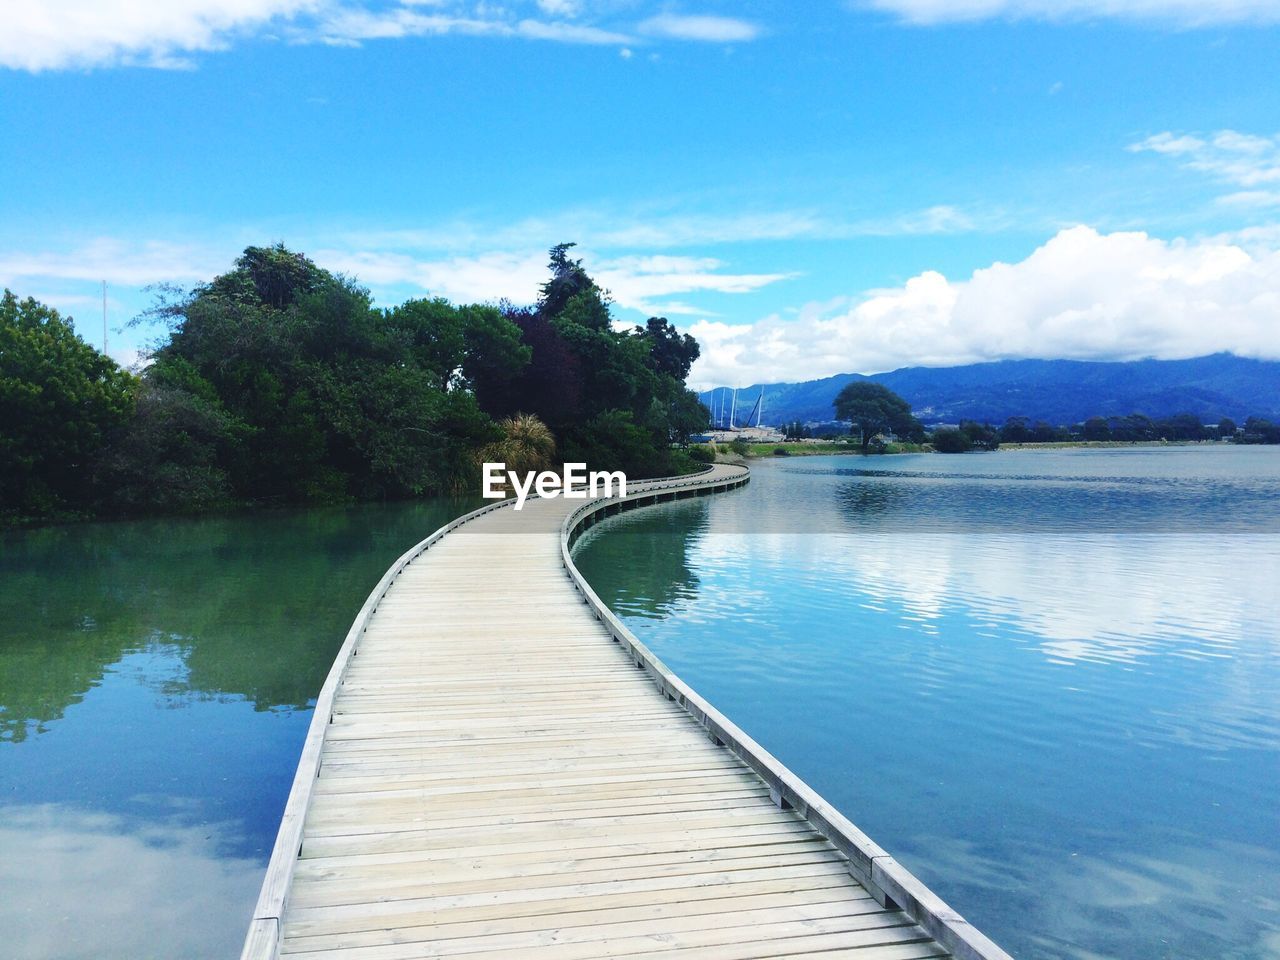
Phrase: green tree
x=1096 y=428
x=60 y=403
x=1227 y=428
x=981 y=436
x=585 y=377
x=568 y=280
x=169 y=456
x=873 y=408
x=1259 y=430
x=1016 y=430
x=950 y=440
x=672 y=353
x=332 y=399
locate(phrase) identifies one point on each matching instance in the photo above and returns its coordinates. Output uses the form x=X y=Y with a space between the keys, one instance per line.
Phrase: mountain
x=1057 y=391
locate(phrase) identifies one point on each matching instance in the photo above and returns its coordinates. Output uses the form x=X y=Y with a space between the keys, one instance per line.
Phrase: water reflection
x=258 y=604
x=155 y=688
x=83 y=884
x=654 y=549
x=1057 y=699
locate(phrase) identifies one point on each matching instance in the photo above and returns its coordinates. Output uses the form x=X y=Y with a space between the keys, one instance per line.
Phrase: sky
x=808 y=187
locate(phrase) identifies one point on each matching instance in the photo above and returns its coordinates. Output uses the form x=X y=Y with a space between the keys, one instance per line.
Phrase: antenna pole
x=104 y=317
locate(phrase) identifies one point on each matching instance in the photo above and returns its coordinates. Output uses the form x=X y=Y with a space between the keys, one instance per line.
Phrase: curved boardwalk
x=497 y=779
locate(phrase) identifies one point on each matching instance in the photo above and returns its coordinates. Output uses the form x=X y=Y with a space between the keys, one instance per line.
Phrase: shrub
x=950 y=440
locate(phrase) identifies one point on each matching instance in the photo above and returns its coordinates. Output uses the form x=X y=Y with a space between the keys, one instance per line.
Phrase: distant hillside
x=1057 y=391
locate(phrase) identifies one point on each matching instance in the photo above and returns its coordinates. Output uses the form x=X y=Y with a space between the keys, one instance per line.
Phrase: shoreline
x=838 y=448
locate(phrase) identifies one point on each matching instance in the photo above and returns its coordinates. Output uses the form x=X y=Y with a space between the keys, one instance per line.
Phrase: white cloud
x=639 y=229
x=68 y=34
x=57 y=34
x=481 y=278
x=560 y=8
x=1251 y=199
x=704 y=28
x=570 y=33
x=1179 y=13
x=635 y=283
x=1240 y=159
x=104 y=872
x=116 y=262
x=1081 y=295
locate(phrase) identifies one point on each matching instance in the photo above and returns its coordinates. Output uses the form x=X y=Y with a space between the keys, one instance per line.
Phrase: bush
x=702 y=454
x=950 y=440
x=781 y=452
x=740 y=446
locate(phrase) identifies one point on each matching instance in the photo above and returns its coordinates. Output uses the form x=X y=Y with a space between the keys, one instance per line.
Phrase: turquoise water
x=156 y=683
x=1048 y=681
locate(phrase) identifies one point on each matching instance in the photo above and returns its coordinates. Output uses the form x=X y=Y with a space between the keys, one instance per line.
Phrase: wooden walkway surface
x=497 y=779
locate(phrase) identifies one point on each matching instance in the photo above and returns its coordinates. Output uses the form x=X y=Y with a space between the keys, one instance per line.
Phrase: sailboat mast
x=733 y=409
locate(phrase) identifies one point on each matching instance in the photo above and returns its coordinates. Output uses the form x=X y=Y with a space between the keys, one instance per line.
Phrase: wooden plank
x=333 y=891
x=621 y=940
x=588 y=925
x=433 y=914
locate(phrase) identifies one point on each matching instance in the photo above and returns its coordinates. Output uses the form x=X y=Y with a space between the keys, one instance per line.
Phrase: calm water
x=156 y=680
x=1049 y=682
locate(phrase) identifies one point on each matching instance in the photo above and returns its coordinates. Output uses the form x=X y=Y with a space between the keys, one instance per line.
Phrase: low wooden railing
x=892 y=884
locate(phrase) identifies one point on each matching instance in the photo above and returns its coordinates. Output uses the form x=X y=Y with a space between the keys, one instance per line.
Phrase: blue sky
x=808 y=187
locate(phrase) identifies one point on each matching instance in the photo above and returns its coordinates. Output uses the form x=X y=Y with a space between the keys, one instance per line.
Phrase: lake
x=1047 y=681
x=156 y=682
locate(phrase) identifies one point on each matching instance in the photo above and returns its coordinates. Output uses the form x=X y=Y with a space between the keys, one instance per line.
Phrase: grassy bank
x=1108 y=444
x=809 y=449
x=841 y=448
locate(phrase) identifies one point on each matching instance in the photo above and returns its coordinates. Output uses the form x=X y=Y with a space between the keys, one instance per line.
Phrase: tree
x=796 y=431
x=981 y=436
x=873 y=408
x=332 y=399
x=672 y=353
x=568 y=280
x=1095 y=428
x=169 y=456
x=1016 y=430
x=950 y=440
x=1044 y=433
x=585 y=377
x=685 y=415
x=60 y=403
x=1259 y=430
x=1227 y=428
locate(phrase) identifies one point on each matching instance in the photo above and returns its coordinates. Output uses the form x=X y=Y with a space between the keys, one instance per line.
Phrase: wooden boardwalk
x=490 y=775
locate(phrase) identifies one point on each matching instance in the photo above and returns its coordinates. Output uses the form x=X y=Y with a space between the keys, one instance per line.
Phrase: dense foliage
x=874 y=409
x=1137 y=427
x=59 y=402
x=281 y=382
x=613 y=398
x=970 y=435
